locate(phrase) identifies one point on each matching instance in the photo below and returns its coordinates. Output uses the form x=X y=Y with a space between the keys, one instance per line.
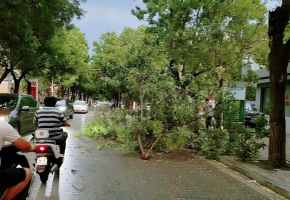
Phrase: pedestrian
x=208 y=113
x=113 y=106
x=11 y=90
x=14 y=180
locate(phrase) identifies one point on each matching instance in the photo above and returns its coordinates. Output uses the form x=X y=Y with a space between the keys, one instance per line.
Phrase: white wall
x=287 y=124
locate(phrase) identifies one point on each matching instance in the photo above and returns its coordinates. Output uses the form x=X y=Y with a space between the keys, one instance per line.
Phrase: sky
x=107 y=16
x=112 y=15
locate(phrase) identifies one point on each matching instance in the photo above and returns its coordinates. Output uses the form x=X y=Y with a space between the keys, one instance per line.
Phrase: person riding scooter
x=13 y=181
x=51 y=119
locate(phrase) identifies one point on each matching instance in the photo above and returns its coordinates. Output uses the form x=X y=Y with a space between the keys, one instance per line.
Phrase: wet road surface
x=92 y=174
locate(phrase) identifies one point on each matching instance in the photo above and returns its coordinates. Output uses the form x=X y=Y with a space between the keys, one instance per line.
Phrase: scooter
x=48 y=156
x=11 y=158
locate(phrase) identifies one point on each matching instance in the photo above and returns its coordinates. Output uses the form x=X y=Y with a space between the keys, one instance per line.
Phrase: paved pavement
x=276 y=180
x=92 y=174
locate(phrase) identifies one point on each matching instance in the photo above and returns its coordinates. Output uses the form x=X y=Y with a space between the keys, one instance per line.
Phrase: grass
x=265 y=165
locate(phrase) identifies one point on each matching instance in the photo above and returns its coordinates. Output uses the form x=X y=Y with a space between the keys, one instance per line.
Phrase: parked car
x=80 y=106
x=66 y=107
x=18 y=110
x=148 y=106
x=251 y=113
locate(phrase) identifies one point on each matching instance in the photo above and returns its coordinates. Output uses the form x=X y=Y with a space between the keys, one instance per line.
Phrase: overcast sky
x=106 y=16
x=112 y=15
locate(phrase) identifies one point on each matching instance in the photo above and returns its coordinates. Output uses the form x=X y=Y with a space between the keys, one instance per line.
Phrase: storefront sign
x=34 y=88
x=239 y=93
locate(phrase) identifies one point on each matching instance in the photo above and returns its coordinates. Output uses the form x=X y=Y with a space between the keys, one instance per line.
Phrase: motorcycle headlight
x=61 y=108
x=4 y=118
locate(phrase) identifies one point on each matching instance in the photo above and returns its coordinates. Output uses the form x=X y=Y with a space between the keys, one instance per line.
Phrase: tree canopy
x=25 y=29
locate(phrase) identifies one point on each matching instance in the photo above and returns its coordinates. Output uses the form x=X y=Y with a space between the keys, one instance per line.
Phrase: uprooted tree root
x=145 y=156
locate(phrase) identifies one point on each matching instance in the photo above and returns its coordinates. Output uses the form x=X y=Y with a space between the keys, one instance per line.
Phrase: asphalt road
x=92 y=174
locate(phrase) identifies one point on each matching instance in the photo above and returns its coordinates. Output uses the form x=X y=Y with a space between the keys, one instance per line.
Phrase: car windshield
x=79 y=103
x=60 y=103
x=8 y=101
x=249 y=107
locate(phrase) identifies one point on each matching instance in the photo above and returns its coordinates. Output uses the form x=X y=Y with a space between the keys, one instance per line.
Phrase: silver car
x=80 y=106
x=66 y=107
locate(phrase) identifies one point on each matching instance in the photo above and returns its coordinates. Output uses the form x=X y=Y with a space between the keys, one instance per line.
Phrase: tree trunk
x=130 y=102
x=278 y=62
x=48 y=94
x=62 y=91
x=79 y=95
x=4 y=75
x=219 y=115
x=58 y=92
x=28 y=88
x=73 y=97
x=17 y=81
x=144 y=154
x=68 y=93
x=16 y=85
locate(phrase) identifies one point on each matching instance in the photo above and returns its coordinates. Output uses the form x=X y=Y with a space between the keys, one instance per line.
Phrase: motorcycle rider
x=51 y=119
x=14 y=180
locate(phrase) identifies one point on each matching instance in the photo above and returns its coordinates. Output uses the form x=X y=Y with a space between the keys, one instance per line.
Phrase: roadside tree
x=208 y=39
x=279 y=56
x=25 y=29
x=136 y=62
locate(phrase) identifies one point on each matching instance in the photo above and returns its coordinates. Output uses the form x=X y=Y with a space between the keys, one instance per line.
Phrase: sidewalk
x=276 y=180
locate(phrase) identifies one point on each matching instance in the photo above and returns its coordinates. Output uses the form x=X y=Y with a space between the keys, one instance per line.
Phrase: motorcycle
x=48 y=156
x=11 y=158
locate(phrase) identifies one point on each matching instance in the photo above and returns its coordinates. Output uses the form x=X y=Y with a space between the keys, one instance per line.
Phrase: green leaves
x=209 y=38
x=27 y=28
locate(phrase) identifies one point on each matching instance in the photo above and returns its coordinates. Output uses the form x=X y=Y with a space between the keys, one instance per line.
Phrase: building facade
x=262 y=102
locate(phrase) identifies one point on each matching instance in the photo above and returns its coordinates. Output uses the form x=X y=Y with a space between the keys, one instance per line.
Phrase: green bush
x=211 y=143
x=98 y=128
x=261 y=124
x=247 y=143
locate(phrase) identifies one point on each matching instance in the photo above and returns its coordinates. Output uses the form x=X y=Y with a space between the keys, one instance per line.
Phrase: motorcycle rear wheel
x=44 y=176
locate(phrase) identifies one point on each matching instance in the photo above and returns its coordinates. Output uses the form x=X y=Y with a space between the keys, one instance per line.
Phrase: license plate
x=252 y=120
x=41 y=161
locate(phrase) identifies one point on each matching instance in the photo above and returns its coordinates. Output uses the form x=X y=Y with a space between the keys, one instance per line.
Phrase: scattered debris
x=73 y=171
x=253 y=181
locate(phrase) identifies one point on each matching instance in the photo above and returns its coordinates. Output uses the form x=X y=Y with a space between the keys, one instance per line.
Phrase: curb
x=258 y=174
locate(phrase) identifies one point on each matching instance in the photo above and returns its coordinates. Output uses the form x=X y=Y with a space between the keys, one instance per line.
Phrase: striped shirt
x=50 y=118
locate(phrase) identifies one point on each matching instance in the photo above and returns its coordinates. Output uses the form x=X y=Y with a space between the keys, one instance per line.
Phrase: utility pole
x=52 y=87
x=8 y=78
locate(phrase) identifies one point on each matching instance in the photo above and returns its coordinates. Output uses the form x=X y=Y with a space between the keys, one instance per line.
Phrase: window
x=287 y=102
x=265 y=101
x=61 y=102
x=79 y=103
x=27 y=101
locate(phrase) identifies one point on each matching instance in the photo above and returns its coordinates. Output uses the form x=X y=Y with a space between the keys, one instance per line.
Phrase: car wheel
x=17 y=128
x=71 y=117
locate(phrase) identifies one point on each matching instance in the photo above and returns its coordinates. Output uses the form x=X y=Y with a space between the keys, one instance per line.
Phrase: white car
x=80 y=106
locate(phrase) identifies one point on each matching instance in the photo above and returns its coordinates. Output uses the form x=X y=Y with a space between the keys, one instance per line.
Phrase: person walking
x=209 y=113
